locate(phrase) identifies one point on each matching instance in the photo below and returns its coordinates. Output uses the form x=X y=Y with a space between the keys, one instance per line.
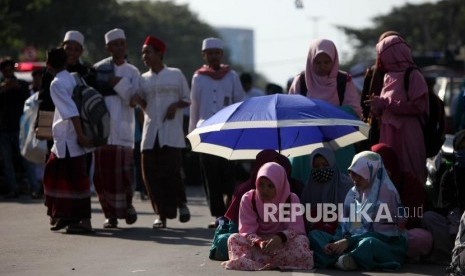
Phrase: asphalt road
x=28 y=247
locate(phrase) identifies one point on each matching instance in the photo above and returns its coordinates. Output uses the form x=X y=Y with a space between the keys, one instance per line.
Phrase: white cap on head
x=212 y=43
x=114 y=35
x=74 y=36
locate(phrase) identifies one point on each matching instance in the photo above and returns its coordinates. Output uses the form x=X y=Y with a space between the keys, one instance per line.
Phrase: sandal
x=78 y=228
x=159 y=223
x=131 y=216
x=60 y=224
x=184 y=213
x=111 y=223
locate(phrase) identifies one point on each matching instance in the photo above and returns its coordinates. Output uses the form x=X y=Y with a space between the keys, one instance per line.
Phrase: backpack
x=341 y=80
x=219 y=247
x=434 y=127
x=95 y=118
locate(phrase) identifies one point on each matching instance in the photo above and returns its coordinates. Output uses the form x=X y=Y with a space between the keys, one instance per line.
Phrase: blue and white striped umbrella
x=293 y=125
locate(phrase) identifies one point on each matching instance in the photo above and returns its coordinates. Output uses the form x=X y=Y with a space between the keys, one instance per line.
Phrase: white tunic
x=64 y=134
x=122 y=122
x=160 y=91
x=209 y=96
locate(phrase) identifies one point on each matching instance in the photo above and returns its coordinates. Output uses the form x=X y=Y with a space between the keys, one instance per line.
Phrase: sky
x=283 y=32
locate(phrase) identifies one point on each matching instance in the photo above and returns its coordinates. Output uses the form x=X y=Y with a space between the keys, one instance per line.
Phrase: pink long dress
x=401 y=116
x=244 y=254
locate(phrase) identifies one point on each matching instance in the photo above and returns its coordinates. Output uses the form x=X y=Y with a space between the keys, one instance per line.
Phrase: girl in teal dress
x=370 y=235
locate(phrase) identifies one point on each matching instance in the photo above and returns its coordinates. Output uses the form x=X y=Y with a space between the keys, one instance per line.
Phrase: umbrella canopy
x=293 y=125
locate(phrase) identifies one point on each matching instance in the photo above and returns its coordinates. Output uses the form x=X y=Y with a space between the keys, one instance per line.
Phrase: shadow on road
x=185 y=236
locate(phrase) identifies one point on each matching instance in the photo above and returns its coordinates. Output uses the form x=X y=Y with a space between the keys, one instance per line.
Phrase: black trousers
x=218 y=178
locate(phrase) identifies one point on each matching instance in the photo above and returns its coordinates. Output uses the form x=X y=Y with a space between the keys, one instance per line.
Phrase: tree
x=181 y=30
x=430 y=29
x=43 y=23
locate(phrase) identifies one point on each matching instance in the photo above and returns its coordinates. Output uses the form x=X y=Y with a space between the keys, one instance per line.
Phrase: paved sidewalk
x=28 y=247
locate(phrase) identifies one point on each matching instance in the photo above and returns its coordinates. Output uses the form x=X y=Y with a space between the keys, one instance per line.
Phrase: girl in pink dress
x=269 y=241
x=401 y=112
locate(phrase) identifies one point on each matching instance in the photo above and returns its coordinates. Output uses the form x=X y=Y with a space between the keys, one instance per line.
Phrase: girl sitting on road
x=262 y=243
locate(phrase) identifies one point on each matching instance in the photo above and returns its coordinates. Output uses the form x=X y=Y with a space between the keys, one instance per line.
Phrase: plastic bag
x=32 y=149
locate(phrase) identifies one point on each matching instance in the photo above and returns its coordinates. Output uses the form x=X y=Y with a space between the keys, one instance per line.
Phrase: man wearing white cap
x=73 y=43
x=214 y=86
x=117 y=80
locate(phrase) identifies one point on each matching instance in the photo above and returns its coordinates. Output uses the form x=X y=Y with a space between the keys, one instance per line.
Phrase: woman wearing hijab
x=263 y=243
x=321 y=81
x=230 y=221
x=369 y=235
x=228 y=224
x=401 y=112
x=325 y=185
x=265 y=156
x=321 y=77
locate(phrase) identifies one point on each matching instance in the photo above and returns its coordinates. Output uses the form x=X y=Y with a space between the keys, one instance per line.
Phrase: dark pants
x=139 y=182
x=161 y=170
x=218 y=175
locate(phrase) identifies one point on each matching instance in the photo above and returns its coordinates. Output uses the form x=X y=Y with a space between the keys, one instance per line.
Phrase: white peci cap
x=74 y=36
x=212 y=43
x=114 y=35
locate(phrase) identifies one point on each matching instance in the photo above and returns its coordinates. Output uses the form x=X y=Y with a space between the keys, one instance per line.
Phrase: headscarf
x=248 y=222
x=394 y=57
x=277 y=174
x=325 y=87
x=390 y=161
x=332 y=191
x=262 y=157
x=322 y=87
x=394 y=54
x=369 y=165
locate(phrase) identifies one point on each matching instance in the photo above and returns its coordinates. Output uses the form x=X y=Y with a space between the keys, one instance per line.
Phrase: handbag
x=219 y=247
x=44 y=125
x=32 y=149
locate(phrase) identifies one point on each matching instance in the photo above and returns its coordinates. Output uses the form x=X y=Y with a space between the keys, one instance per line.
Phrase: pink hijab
x=322 y=87
x=264 y=156
x=248 y=221
x=394 y=57
x=394 y=54
x=325 y=87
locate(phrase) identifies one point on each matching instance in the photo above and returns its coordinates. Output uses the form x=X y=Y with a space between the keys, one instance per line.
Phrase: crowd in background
x=146 y=150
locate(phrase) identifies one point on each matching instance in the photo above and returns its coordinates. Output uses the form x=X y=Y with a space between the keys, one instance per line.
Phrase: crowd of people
x=387 y=175
x=144 y=149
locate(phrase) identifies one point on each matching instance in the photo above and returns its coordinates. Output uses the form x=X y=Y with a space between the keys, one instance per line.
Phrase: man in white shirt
x=66 y=182
x=214 y=86
x=249 y=88
x=117 y=80
x=164 y=92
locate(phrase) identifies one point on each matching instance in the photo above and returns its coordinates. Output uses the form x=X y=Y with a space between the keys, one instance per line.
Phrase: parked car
x=23 y=70
x=448 y=90
x=448 y=87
